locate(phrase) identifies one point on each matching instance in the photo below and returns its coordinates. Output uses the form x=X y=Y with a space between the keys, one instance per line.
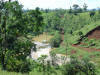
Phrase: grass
x=78 y=52
x=60 y=50
x=31 y=73
x=91 y=43
x=87 y=28
x=9 y=73
x=42 y=37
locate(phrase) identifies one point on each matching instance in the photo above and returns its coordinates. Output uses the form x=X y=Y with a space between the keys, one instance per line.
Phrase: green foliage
x=75 y=6
x=71 y=24
x=22 y=48
x=52 y=21
x=76 y=67
x=15 y=24
x=14 y=27
x=99 y=10
x=52 y=32
x=60 y=50
x=91 y=43
x=56 y=40
x=18 y=65
x=85 y=7
x=10 y=28
x=34 y=21
x=92 y=13
x=75 y=37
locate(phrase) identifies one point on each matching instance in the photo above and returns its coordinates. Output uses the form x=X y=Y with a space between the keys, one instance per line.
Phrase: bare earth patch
x=42 y=37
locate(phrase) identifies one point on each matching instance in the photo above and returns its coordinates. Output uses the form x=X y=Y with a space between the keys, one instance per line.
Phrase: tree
x=10 y=29
x=80 y=10
x=14 y=45
x=92 y=13
x=75 y=6
x=56 y=40
x=70 y=10
x=99 y=10
x=85 y=7
x=34 y=20
x=76 y=67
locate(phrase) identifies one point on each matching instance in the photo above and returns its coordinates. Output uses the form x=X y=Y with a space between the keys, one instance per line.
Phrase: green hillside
x=48 y=41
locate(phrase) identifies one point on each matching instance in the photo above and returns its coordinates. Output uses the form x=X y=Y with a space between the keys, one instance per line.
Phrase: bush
x=56 y=40
x=15 y=65
x=76 y=67
x=92 y=13
x=52 y=32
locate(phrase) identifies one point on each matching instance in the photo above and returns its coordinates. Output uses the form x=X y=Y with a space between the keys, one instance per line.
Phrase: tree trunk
x=3 y=62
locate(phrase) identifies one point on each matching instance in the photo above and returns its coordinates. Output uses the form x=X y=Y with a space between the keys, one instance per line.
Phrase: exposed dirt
x=41 y=37
x=62 y=40
x=62 y=37
x=73 y=51
x=94 y=34
x=81 y=56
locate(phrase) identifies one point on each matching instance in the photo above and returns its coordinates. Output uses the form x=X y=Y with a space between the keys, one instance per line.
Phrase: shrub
x=76 y=67
x=52 y=32
x=92 y=13
x=15 y=65
x=56 y=40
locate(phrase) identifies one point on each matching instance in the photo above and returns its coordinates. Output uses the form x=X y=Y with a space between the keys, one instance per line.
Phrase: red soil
x=94 y=34
x=73 y=51
x=81 y=56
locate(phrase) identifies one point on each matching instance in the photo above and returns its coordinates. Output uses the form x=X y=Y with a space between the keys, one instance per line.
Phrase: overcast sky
x=52 y=4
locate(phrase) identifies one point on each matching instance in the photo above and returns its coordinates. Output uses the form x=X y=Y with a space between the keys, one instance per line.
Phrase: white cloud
x=31 y=4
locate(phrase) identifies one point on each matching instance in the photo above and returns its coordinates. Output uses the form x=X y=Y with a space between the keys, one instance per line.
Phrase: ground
x=76 y=50
x=42 y=37
x=31 y=73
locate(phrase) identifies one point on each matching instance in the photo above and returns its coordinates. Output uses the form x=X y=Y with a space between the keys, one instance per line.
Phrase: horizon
x=57 y=4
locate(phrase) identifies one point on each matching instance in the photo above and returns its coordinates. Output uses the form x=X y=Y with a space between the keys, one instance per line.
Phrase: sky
x=52 y=4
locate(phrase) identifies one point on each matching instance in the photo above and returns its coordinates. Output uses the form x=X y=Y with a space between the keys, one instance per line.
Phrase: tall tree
x=38 y=20
x=70 y=10
x=75 y=6
x=14 y=25
x=34 y=20
x=85 y=7
x=11 y=27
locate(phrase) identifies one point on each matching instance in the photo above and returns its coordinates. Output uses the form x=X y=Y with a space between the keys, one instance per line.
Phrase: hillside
x=49 y=41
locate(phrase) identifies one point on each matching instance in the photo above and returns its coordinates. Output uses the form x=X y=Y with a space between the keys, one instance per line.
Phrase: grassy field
x=14 y=73
x=9 y=73
x=31 y=73
x=42 y=37
x=81 y=53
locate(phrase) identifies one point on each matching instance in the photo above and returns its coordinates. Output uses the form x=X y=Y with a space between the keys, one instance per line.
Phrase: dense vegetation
x=16 y=25
x=56 y=40
x=74 y=24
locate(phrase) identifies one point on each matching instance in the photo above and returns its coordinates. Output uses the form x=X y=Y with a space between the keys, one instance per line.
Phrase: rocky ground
x=44 y=49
